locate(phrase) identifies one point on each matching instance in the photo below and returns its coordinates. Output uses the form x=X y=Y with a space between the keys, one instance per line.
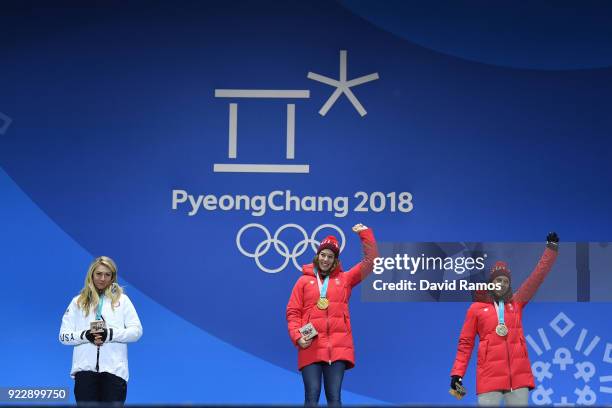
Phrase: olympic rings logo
x=281 y=248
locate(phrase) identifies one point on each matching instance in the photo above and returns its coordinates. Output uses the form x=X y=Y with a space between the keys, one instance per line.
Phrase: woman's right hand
x=90 y=336
x=552 y=240
x=96 y=339
x=359 y=227
x=455 y=379
x=304 y=343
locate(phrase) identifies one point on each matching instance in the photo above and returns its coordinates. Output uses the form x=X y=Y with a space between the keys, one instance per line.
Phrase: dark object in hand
x=457 y=389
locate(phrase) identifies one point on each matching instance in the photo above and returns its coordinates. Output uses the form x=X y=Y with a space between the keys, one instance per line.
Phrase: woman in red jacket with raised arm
x=503 y=370
x=320 y=297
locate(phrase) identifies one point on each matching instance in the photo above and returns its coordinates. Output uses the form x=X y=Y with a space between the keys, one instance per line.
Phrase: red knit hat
x=500 y=269
x=330 y=242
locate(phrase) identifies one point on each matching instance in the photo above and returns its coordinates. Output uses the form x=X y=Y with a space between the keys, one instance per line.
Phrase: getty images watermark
x=456 y=271
x=406 y=263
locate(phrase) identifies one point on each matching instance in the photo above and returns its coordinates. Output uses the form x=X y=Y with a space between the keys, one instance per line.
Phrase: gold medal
x=322 y=303
x=501 y=330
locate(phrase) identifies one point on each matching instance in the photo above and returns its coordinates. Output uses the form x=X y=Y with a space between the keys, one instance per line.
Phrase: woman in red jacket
x=320 y=297
x=503 y=370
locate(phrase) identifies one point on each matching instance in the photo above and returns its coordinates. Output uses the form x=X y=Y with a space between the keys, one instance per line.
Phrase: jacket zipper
x=328 y=338
x=98 y=360
x=98 y=352
x=509 y=365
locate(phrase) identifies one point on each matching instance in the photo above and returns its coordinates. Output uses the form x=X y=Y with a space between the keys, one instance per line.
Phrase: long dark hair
x=332 y=268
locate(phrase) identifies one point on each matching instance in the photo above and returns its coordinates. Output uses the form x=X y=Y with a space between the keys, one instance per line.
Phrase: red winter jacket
x=503 y=362
x=335 y=339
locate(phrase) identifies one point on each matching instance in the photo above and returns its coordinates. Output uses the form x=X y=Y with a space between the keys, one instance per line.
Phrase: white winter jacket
x=123 y=327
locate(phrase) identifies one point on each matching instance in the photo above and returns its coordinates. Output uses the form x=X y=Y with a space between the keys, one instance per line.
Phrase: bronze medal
x=501 y=330
x=322 y=303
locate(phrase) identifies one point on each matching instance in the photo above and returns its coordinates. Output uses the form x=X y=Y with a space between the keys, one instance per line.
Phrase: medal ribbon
x=500 y=312
x=323 y=286
x=100 y=303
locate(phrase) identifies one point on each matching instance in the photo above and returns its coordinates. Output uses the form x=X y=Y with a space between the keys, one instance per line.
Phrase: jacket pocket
x=347 y=322
x=483 y=348
x=523 y=347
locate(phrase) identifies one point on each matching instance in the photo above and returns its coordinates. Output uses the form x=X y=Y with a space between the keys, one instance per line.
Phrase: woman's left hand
x=359 y=227
x=100 y=338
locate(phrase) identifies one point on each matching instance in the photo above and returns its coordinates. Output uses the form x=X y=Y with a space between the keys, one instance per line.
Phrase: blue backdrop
x=495 y=118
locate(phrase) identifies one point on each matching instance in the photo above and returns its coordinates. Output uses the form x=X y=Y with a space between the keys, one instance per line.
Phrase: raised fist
x=359 y=227
x=552 y=237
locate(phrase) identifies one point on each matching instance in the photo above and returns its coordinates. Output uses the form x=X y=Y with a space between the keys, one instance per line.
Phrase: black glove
x=552 y=240
x=455 y=379
x=91 y=337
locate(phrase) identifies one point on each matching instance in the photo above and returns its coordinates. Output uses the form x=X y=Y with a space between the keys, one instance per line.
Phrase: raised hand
x=359 y=227
x=552 y=240
x=552 y=237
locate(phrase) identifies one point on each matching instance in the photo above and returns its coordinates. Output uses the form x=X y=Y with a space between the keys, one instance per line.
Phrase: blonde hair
x=89 y=298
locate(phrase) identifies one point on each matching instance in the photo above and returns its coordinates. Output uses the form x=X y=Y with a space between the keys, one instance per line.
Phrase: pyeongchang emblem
x=579 y=357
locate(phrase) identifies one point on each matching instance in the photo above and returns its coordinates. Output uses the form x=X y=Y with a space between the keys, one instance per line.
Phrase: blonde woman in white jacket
x=99 y=360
